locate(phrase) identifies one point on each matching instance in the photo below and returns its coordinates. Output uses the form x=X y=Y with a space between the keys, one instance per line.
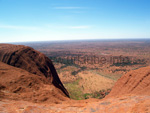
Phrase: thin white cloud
x=18 y=27
x=77 y=12
x=80 y=27
x=50 y=26
x=68 y=7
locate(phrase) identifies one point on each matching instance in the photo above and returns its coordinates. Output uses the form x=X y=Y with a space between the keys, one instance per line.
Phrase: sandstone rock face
x=18 y=84
x=134 y=82
x=32 y=61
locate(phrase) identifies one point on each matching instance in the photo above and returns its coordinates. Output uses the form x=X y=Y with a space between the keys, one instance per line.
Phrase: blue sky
x=42 y=20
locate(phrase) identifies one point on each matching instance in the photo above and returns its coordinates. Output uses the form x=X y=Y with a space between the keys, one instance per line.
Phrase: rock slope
x=134 y=82
x=32 y=61
x=18 y=84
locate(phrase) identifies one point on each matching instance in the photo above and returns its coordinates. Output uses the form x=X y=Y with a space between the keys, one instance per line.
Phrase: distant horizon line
x=71 y=40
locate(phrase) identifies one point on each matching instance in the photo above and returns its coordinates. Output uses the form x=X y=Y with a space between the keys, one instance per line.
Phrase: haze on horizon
x=46 y=20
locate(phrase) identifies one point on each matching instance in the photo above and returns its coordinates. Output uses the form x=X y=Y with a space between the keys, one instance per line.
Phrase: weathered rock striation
x=32 y=61
x=134 y=82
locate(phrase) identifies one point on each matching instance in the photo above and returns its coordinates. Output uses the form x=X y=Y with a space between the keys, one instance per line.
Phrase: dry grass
x=91 y=82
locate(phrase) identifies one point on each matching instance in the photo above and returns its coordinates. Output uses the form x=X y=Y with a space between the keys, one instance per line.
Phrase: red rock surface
x=123 y=104
x=32 y=61
x=18 y=84
x=134 y=82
